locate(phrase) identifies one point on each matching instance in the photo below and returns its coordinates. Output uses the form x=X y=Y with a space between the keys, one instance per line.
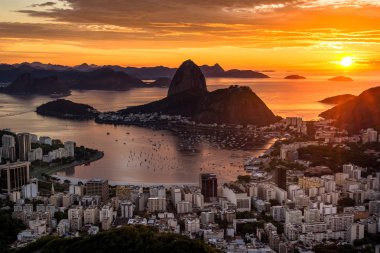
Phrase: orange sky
x=250 y=34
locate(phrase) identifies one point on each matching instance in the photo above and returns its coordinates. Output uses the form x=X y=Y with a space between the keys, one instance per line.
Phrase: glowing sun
x=346 y=61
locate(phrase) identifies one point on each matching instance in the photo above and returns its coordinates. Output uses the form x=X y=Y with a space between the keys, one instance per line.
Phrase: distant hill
x=67 y=109
x=9 y=73
x=236 y=73
x=212 y=70
x=188 y=96
x=336 y=100
x=359 y=113
x=28 y=84
x=85 y=67
x=148 y=73
x=106 y=79
x=98 y=79
x=208 y=71
x=341 y=79
x=295 y=77
x=39 y=65
x=161 y=82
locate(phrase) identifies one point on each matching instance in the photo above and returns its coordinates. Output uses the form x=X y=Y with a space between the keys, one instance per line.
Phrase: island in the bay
x=341 y=79
x=63 y=108
x=295 y=77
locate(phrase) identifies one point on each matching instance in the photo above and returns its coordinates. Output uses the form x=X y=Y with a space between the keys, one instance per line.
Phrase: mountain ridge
x=28 y=84
x=359 y=113
x=9 y=72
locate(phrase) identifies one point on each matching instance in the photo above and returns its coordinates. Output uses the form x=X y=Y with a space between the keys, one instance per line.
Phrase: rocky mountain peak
x=188 y=77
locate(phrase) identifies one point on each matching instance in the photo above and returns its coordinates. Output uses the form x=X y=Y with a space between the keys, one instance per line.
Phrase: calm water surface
x=138 y=155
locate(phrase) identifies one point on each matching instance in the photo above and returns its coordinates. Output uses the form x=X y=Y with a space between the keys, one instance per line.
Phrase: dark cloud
x=46 y=4
x=185 y=35
x=197 y=23
x=144 y=13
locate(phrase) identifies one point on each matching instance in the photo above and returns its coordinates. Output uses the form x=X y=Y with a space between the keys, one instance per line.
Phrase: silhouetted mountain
x=208 y=71
x=85 y=67
x=236 y=73
x=336 y=100
x=161 y=82
x=359 y=113
x=98 y=79
x=188 y=96
x=106 y=79
x=295 y=77
x=9 y=73
x=67 y=109
x=188 y=77
x=28 y=84
x=341 y=79
x=234 y=105
x=39 y=65
x=150 y=73
x=6 y=67
x=212 y=70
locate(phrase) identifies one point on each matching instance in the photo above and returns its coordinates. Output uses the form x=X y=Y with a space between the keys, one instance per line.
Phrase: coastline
x=38 y=171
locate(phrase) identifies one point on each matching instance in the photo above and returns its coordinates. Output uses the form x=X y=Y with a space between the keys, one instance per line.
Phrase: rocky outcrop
x=188 y=77
x=359 y=113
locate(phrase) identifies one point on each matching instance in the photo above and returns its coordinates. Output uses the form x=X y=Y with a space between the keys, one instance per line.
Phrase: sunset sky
x=250 y=34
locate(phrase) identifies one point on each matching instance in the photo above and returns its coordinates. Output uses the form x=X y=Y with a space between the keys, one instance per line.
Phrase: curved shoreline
x=51 y=170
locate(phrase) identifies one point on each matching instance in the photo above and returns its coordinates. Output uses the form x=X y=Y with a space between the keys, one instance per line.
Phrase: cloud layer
x=168 y=24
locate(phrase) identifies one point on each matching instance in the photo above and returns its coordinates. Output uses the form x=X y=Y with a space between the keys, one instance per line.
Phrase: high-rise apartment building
x=281 y=177
x=209 y=186
x=8 y=147
x=127 y=209
x=24 y=146
x=98 y=187
x=70 y=147
x=14 y=176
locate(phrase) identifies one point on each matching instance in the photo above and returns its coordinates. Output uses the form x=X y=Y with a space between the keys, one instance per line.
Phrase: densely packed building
x=285 y=210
